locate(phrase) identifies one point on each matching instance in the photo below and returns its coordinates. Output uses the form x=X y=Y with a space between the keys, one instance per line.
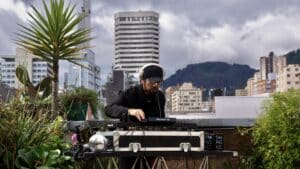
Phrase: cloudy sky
x=191 y=31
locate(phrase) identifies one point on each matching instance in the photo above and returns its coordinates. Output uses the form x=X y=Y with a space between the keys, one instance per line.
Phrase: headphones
x=141 y=75
x=141 y=70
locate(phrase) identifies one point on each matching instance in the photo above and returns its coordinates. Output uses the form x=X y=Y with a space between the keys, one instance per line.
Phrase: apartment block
x=37 y=68
x=187 y=98
x=289 y=78
x=168 y=94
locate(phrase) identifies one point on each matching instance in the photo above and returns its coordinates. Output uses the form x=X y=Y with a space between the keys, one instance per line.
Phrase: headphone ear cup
x=141 y=72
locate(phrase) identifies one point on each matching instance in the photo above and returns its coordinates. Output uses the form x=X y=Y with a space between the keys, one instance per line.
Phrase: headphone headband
x=142 y=69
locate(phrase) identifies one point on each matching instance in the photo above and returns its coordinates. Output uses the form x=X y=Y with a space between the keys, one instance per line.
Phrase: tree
x=276 y=133
x=53 y=36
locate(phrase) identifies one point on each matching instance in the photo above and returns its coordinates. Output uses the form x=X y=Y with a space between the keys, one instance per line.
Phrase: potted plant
x=80 y=104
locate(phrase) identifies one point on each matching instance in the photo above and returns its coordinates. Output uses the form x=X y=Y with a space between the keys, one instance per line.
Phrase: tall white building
x=37 y=68
x=136 y=40
x=87 y=75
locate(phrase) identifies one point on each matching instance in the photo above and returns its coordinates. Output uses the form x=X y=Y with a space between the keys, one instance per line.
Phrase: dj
x=140 y=102
x=143 y=100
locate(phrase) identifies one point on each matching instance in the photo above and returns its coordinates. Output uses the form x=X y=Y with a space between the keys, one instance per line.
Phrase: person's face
x=150 y=87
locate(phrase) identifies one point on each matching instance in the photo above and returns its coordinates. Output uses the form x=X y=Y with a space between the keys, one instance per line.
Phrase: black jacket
x=134 y=97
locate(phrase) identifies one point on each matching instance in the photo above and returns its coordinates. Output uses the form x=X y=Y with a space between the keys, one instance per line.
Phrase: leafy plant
x=54 y=37
x=277 y=132
x=76 y=99
x=30 y=141
x=44 y=86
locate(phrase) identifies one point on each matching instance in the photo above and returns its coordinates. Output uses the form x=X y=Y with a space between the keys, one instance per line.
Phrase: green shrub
x=30 y=140
x=73 y=103
x=276 y=133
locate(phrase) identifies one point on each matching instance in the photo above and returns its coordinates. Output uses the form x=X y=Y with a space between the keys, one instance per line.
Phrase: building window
x=288 y=75
x=122 y=18
x=288 y=69
x=288 y=83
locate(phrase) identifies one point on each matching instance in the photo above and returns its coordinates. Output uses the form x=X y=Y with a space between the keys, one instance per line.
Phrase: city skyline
x=191 y=32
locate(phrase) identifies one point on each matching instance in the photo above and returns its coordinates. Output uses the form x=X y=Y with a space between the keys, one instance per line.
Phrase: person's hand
x=138 y=113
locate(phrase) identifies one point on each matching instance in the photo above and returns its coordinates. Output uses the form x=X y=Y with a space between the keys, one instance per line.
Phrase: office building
x=37 y=68
x=136 y=40
x=87 y=75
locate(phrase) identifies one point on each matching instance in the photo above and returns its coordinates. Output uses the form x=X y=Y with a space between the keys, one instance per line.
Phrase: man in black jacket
x=143 y=100
x=140 y=102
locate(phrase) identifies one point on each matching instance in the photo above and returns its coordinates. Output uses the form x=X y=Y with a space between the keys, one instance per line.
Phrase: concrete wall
x=239 y=106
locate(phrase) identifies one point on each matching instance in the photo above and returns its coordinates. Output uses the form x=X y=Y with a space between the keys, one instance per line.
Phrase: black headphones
x=141 y=76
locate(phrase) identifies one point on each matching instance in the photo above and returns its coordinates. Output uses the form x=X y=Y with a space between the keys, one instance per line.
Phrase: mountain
x=211 y=75
x=293 y=57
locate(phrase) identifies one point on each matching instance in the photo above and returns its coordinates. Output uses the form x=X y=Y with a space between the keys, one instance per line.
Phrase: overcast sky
x=191 y=31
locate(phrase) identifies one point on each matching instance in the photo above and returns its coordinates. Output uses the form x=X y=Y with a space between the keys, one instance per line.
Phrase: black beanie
x=153 y=73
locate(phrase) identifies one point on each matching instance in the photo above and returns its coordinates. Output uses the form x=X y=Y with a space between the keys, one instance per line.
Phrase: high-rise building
x=87 y=75
x=266 y=66
x=279 y=63
x=85 y=23
x=136 y=40
x=37 y=68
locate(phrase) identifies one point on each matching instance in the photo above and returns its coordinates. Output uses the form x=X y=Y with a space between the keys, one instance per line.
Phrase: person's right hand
x=138 y=113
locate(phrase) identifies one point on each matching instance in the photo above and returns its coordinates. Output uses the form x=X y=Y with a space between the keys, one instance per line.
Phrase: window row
x=132 y=62
x=134 y=29
x=146 y=47
x=136 y=43
x=136 y=38
x=289 y=83
x=134 y=33
x=145 y=52
x=136 y=57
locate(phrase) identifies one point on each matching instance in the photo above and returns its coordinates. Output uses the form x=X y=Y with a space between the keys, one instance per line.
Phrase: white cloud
x=189 y=33
x=235 y=43
x=17 y=7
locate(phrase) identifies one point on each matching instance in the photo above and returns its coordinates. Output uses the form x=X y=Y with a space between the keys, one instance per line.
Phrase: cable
x=158 y=102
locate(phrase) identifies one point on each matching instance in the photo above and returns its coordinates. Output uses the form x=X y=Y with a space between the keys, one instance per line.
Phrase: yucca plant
x=53 y=36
